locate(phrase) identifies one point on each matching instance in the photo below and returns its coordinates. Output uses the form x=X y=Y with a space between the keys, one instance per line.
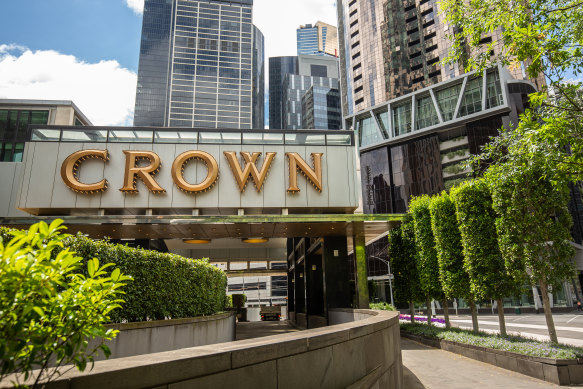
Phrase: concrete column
x=360 y=266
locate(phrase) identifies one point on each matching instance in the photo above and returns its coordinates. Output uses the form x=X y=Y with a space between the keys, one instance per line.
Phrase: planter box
x=557 y=371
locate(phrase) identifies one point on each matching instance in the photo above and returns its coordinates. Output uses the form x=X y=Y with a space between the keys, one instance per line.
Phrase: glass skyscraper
x=279 y=67
x=201 y=65
x=318 y=39
x=321 y=108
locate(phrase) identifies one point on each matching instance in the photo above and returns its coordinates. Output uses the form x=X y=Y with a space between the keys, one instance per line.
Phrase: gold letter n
x=313 y=175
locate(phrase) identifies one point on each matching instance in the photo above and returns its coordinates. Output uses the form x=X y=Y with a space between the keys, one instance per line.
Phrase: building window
x=472 y=100
x=447 y=101
x=402 y=119
x=367 y=132
x=493 y=90
x=319 y=71
x=426 y=116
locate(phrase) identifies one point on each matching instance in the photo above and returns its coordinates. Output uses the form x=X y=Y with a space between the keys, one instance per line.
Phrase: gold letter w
x=251 y=170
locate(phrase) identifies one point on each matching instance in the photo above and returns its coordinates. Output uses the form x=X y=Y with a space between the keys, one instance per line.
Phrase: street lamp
x=390 y=276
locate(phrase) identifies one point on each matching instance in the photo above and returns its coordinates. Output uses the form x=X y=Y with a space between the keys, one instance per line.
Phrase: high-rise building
x=201 y=65
x=278 y=68
x=318 y=39
x=392 y=48
x=321 y=108
x=311 y=70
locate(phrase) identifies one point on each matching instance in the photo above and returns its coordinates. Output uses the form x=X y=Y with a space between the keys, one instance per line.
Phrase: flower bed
x=421 y=319
x=515 y=344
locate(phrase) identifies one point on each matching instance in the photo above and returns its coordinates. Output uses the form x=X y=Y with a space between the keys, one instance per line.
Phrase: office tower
x=318 y=39
x=278 y=68
x=321 y=108
x=311 y=71
x=201 y=65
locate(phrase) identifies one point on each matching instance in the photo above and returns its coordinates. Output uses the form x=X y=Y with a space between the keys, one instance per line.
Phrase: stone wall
x=359 y=354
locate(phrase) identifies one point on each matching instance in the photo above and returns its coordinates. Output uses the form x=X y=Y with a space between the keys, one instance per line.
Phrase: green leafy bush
x=238 y=300
x=515 y=344
x=48 y=309
x=165 y=286
x=382 y=307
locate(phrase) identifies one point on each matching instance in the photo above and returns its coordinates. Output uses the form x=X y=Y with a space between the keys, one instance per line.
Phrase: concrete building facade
x=17 y=115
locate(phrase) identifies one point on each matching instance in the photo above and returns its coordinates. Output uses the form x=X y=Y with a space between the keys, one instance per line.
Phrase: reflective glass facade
x=318 y=39
x=307 y=40
x=417 y=144
x=321 y=108
x=294 y=88
x=201 y=65
x=278 y=68
x=390 y=48
x=13 y=131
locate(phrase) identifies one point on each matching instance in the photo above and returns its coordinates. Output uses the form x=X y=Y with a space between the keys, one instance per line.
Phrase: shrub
x=165 y=286
x=382 y=307
x=239 y=300
x=48 y=310
x=404 y=264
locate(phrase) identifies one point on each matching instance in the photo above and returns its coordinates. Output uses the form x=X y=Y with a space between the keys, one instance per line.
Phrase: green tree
x=427 y=262
x=533 y=223
x=545 y=37
x=452 y=269
x=48 y=310
x=404 y=265
x=483 y=260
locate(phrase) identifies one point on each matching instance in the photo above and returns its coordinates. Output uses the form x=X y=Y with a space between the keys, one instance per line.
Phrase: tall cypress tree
x=427 y=263
x=404 y=265
x=489 y=277
x=452 y=272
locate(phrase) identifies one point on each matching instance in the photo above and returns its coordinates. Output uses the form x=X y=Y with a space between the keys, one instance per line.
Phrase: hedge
x=164 y=286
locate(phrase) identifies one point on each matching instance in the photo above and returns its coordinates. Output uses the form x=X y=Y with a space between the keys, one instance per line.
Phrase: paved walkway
x=430 y=368
x=250 y=330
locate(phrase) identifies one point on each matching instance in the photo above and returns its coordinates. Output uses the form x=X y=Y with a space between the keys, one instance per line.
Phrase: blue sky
x=91 y=30
x=87 y=51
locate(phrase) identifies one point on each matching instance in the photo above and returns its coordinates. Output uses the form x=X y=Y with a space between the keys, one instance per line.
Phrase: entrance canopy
x=217 y=227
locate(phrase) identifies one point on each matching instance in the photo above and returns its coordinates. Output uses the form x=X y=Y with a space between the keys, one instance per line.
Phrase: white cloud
x=104 y=91
x=278 y=20
x=136 y=5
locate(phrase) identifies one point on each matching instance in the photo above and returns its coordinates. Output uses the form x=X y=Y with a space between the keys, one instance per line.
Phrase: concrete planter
x=364 y=353
x=557 y=371
x=167 y=335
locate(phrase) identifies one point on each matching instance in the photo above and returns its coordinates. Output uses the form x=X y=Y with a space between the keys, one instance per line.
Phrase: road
x=569 y=326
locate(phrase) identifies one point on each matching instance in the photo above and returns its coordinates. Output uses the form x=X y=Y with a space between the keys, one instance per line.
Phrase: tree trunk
x=412 y=311
x=548 y=312
x=446 y=314
x=475 y=326
x=428 y=303
x=501 y=320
